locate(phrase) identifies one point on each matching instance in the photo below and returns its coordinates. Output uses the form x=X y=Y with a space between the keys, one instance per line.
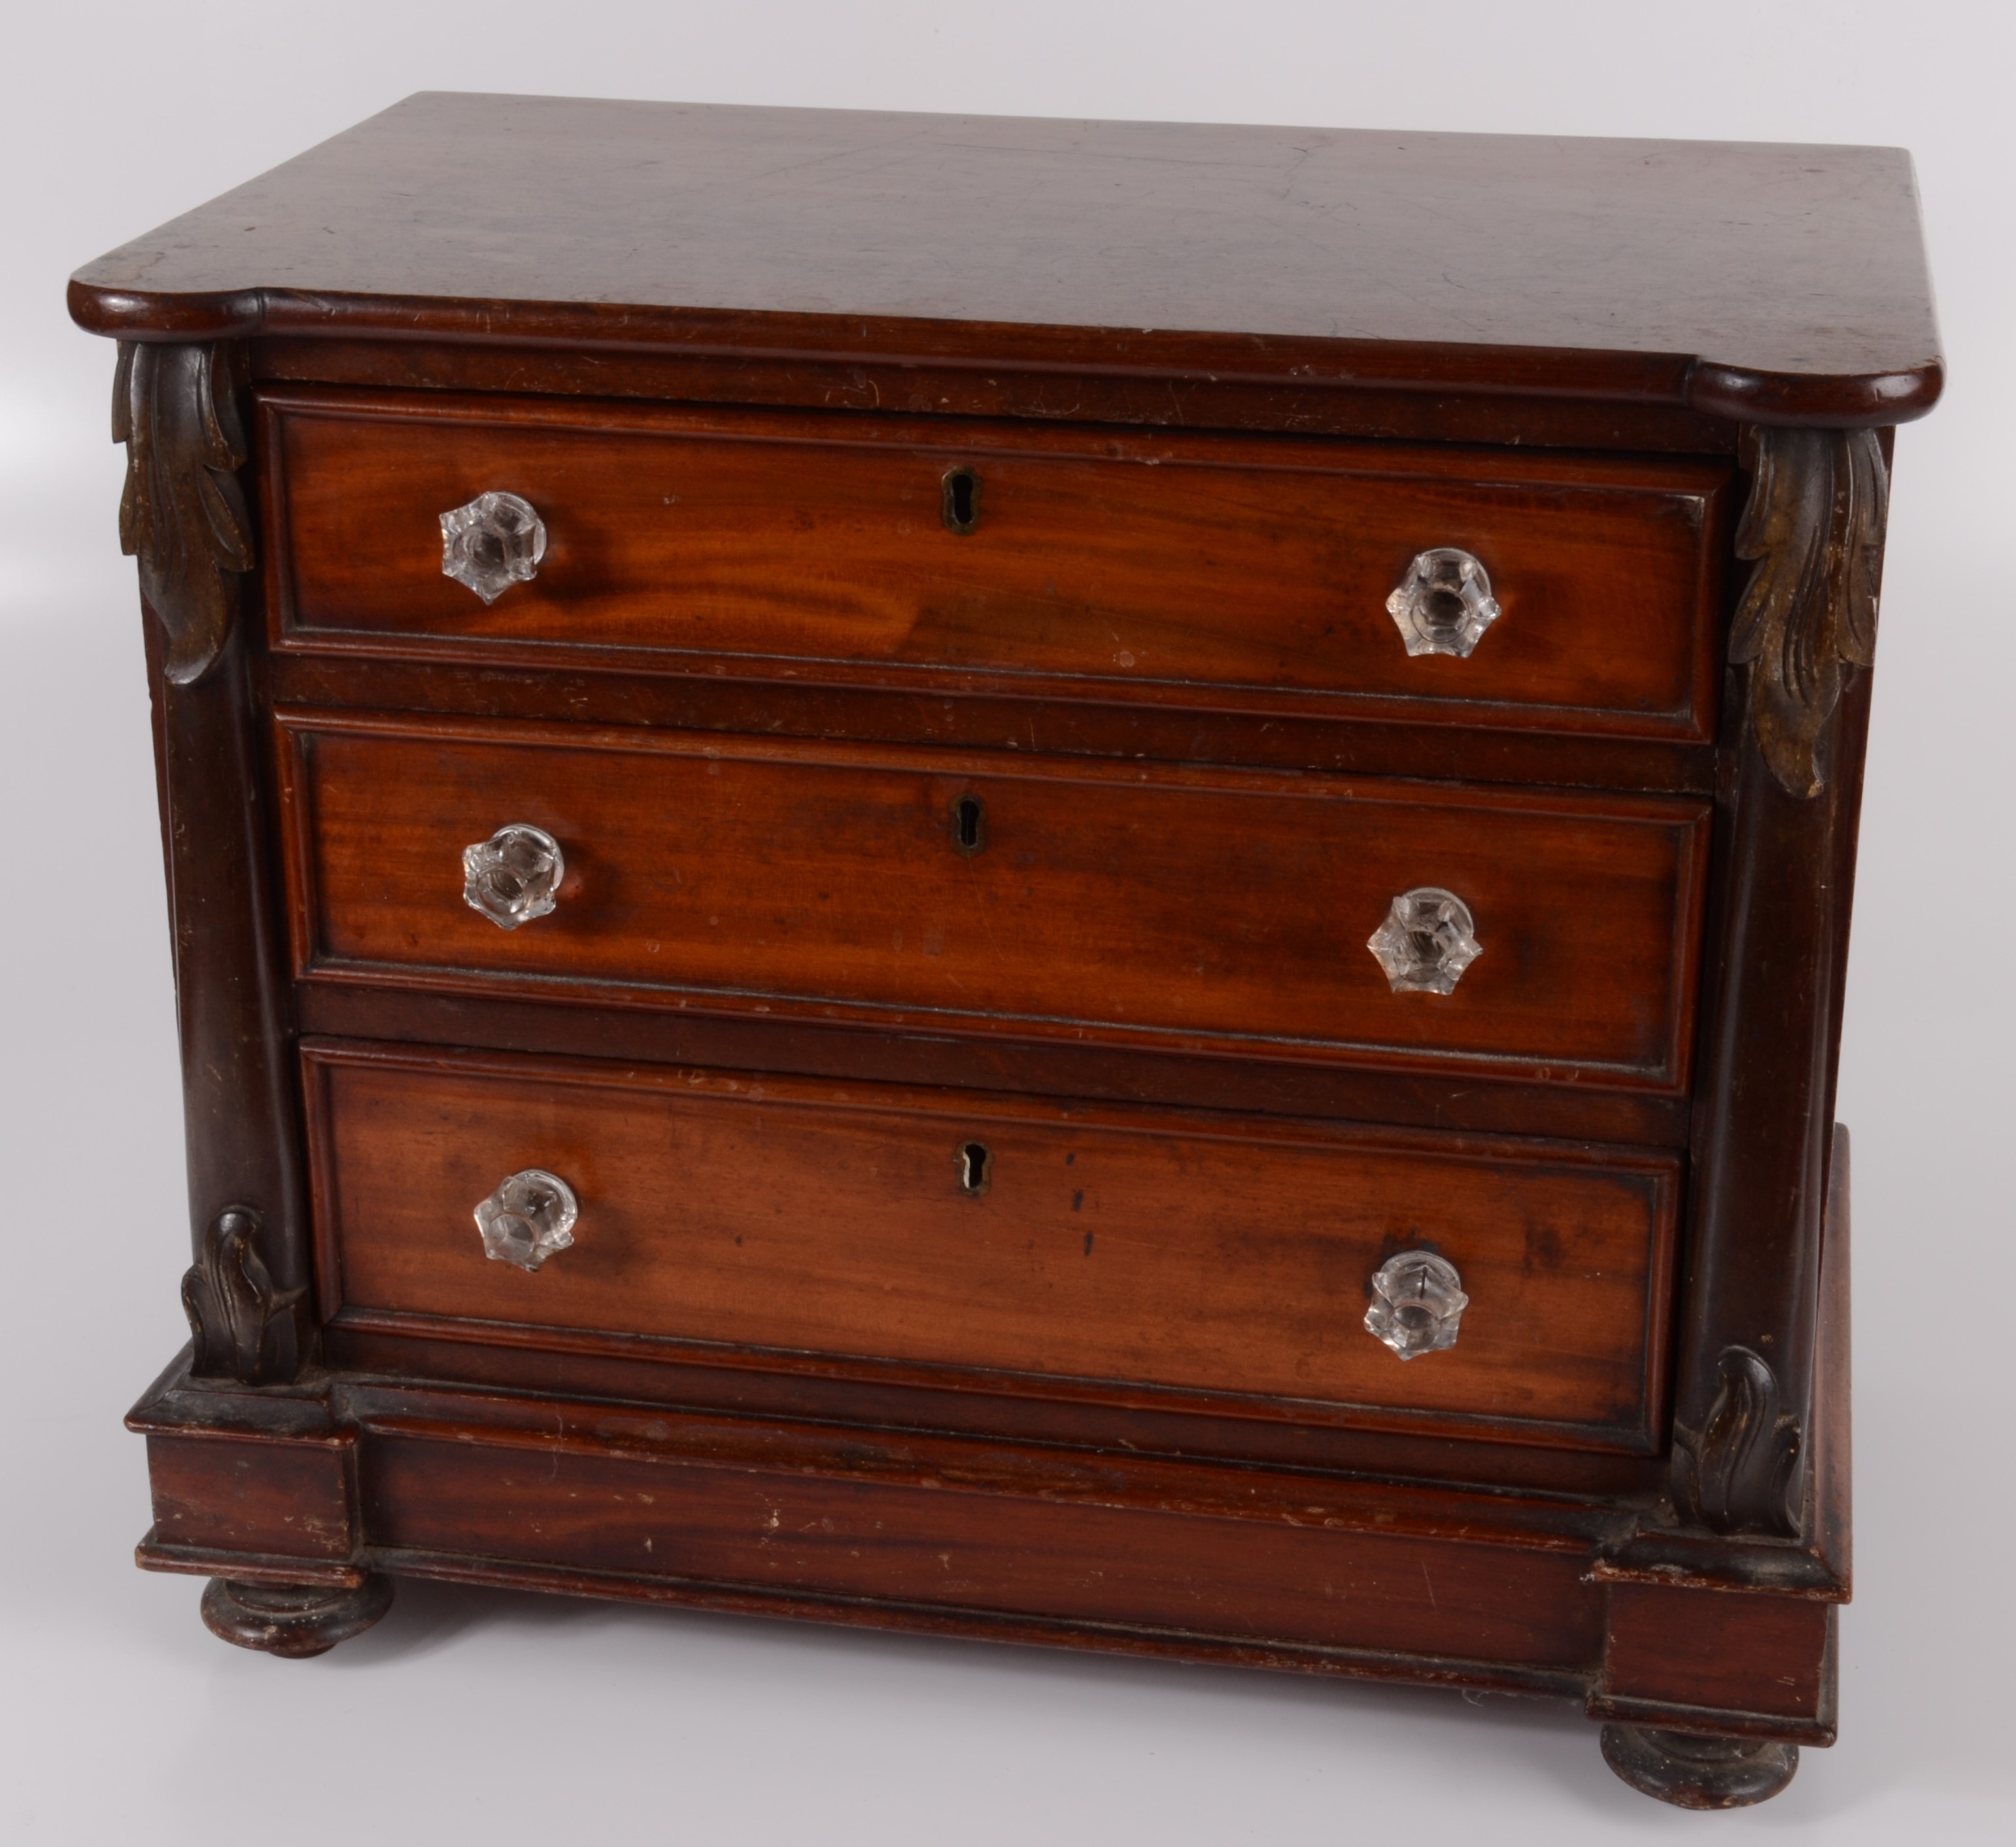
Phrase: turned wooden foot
x=1693 y=1770
x=296 y=1620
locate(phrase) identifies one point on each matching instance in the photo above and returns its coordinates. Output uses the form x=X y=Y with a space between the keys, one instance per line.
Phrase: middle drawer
x=1185 y=908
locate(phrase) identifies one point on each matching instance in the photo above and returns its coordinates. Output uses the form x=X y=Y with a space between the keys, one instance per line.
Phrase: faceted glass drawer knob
x=1417 y=1304
x=1425 y=944
x=527 y=1219
x=512 y=876
x=494 y=543
x=1443 y=605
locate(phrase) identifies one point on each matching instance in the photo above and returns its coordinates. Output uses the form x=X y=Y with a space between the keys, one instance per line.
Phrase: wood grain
x=821 y=882
x=859 y=1539
x=1452 y=1098
x=1602 y=268
x=226 y=892
x=755 y=699
x=1763 y=1127
x=1225 y=1256
x=230 y=1493
x=1298 y=401
x=1705 y=1649
x=1182 y=570
x=1011 y=1408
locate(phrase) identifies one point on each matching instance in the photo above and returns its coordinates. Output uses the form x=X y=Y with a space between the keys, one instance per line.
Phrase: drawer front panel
x=808 y=1224
x=1236 y=575
x=1215 y=910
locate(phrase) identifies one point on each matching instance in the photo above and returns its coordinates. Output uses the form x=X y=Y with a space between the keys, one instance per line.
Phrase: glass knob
x=1417 y=1304
x=528 y=1218
x=512 y=876
x=1443 y=605
x=1426 y=942
x=494 y=543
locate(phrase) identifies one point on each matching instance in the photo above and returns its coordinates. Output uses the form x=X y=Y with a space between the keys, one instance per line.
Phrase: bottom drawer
x=1103 y=1253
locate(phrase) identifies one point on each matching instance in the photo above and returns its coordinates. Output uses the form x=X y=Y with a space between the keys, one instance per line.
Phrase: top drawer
x=1230 y=573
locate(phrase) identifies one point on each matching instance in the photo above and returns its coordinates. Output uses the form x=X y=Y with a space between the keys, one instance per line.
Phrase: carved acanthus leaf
x=1814 y=524
x=183 y=514
x=245 y=1328
x=1737 y=1473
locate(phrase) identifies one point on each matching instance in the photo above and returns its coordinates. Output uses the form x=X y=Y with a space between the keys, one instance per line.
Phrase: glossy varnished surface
x=1248 y=574
x=1122 y=1397
x=892 y=1546
x=879 y=1521
x=1146 y=1248
x=1775 y=282
x=1108 y=904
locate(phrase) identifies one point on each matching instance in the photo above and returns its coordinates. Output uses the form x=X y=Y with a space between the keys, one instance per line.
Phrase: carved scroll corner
x=1814 y=527
x=245 y=1328
x=1738 y=1472
x=183 y=514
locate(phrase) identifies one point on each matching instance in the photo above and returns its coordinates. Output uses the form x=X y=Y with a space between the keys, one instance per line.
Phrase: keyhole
x=976 y=1167
x=968 y=824
x=962 y=500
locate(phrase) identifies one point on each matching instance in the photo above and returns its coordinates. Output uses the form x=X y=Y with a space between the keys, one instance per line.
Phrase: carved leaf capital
x=183 y=513
x=1814 y=525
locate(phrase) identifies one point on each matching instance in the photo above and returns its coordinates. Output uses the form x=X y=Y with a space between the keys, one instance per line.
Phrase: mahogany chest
x=1078 y=882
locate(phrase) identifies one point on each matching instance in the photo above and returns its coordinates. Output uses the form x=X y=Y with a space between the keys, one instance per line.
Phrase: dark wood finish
x=1788 y=826
x=1371 y=1577
x=1815 y=524
x=183 y=514
x=1464 y=1100
x=1692 y=1771
x=1208 y=382
x=295 y=1622
x=1137 y=1569
x=1530 y=418
x=601 y=694
x=805 y=1220
x=263 y=1479
x=1003 y=1407
x=1698 y=1648
x=820 y=882
x=242 y=1326
x=1828 y=1527
x=284 y=1499
x=1183 y=571
x=995 y=241
x=935 y=1461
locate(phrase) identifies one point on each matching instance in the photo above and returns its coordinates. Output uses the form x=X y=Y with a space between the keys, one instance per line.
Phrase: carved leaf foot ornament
x=183 y=513
x=1740 y=1467
x=1814 y=524
x=245 y=1328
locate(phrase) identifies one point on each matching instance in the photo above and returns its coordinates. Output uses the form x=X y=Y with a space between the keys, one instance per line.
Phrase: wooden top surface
x=1775 y=283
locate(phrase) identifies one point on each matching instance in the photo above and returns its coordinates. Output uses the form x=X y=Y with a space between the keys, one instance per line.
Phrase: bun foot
x=1695 y=1770
x=295 y=1620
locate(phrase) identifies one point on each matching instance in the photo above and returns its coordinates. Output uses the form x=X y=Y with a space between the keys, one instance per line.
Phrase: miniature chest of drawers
x=1078 y=882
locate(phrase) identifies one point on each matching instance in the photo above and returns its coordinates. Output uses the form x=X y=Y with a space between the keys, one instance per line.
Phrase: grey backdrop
x=468 y=1717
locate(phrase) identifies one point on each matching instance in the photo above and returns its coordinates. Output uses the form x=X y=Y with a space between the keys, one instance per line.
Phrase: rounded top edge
x=1738 y=393
x=127 y=314
x=1863 y=401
